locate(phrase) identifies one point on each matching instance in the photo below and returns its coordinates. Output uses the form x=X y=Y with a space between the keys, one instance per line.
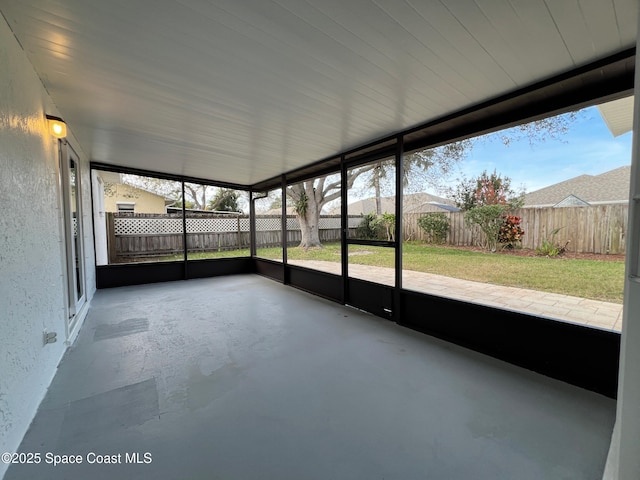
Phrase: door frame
x=74 y=261
x=383 y=303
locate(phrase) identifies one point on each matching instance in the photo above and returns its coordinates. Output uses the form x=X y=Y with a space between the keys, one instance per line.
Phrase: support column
x=252 y=224
x=624 y=455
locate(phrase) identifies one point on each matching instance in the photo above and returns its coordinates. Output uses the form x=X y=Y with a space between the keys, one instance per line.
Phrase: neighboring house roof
x=412 y=203
x=608 y=187
x=571 y=201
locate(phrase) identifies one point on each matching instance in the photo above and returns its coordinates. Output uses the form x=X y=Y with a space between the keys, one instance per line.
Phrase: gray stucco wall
x=32 y=268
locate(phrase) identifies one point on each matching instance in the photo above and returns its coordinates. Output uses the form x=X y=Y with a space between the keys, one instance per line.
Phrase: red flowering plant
x=510 y=232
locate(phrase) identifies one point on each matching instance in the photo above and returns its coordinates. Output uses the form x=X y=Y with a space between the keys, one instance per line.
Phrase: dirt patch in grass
x=360 y=252
x=525 y=252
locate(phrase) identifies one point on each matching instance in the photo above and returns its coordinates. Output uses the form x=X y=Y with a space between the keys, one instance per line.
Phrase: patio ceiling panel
x=243 y=91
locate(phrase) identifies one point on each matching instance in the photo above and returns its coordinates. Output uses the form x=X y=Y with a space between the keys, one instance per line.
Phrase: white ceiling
x=243 y=90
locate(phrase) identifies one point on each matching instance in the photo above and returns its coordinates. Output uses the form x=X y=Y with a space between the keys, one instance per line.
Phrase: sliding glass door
x=72 y=207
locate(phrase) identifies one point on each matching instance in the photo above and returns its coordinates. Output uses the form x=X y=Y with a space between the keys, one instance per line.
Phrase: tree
x=423 y=167
x=276 y=202
x=308 y=198
x=225 y=200
x=486 y=189
x=538 y=131
x=378 y=174
x=197 y=194
x=489 y=219
x=420 y=168
x=485 y=200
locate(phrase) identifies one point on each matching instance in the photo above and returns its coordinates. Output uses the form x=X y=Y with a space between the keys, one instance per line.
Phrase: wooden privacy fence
x=593 y=229
x=131 y=235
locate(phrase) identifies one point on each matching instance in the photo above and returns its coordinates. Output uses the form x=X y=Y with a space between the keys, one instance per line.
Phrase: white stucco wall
x=32 y=281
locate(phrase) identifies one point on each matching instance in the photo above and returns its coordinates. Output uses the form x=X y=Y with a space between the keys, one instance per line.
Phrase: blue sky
x=588 y=148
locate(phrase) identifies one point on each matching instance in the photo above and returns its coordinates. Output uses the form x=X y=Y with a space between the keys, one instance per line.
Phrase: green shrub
x=489 y=219
x=388 y=221
x=549 y=247
x=371 y=227
x=436 y=226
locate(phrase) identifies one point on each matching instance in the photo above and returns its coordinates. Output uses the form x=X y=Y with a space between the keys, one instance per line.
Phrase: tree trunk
x=318 y=193
x=376 y=185
x=309 y=230
x=309 y=223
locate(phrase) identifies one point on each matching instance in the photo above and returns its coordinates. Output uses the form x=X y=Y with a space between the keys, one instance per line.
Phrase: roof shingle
x=608 y=187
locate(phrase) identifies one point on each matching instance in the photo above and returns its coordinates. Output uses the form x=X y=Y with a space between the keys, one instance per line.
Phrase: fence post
x=111 y=237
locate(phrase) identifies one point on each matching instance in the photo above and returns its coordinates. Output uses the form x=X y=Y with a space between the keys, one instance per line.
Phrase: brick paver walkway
x=552 y=305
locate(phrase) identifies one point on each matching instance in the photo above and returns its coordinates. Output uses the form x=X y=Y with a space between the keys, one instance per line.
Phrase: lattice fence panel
x=212 y=225
x=334 y=222
x=147 y=226
x=268 y=224
x=293 y=223
x=325 y=222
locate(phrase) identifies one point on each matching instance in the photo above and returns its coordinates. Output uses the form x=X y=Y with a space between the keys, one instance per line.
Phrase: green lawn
x=598 y=280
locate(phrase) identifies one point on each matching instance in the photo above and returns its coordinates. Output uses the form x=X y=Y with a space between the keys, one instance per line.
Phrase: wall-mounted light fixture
x=57 y=127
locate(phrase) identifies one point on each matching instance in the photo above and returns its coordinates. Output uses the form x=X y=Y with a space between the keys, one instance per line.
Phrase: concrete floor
x=242 y=378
